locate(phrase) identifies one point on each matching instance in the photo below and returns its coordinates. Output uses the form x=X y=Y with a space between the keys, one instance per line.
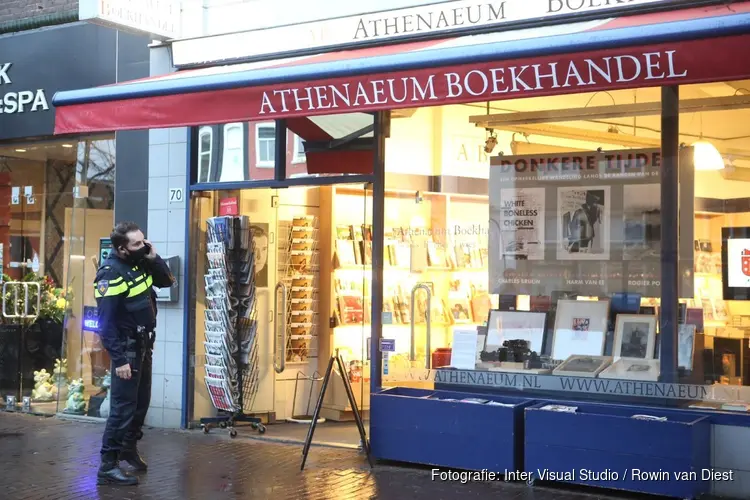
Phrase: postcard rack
x=231 y=340
x=299 y=270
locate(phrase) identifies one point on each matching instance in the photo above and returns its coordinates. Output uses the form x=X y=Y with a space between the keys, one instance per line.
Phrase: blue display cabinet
x=424 y=427
x=605 y=446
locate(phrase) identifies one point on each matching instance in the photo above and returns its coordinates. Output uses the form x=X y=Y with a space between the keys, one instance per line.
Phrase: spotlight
x=491 y=142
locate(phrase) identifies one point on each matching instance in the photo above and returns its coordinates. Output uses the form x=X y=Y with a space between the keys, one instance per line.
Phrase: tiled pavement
x=47 y=458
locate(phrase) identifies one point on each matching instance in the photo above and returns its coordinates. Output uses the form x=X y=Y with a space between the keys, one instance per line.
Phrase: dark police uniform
x=127 y=319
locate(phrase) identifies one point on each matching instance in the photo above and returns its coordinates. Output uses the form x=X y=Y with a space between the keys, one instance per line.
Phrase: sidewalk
x=47 y=458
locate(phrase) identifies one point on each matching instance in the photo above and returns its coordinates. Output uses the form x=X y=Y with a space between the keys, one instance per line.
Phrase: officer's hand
x=123 y=371
x=152 y=254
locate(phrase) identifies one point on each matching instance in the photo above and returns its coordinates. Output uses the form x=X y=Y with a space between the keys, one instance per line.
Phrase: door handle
x=281 y=365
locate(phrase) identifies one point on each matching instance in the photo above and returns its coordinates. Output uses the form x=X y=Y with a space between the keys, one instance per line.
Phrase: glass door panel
x=313 y=250
x=258 y=206
x=349 y=242
x=417 y=279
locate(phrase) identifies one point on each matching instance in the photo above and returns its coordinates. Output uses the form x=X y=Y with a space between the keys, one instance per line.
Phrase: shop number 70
x=175 y=195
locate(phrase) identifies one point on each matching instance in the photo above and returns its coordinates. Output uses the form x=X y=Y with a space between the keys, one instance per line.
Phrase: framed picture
x=583 y=366
x=633 y=369
x=583 y=223
x=460 y=308
x=635 y=336
x=580 y=328
x=685 y=346
x=516 y=325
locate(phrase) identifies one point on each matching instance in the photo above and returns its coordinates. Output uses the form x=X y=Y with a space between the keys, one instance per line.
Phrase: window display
x=575 y=232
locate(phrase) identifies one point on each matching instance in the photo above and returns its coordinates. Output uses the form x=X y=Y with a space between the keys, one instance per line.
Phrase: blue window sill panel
x=604 y=446
x=716 y=416
x=420 y=426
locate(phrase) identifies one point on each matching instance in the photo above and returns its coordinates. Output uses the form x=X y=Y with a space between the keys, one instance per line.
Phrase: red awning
x=687 y=46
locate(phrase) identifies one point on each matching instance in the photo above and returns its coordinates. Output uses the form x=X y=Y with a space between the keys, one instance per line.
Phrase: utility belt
x=137 y=341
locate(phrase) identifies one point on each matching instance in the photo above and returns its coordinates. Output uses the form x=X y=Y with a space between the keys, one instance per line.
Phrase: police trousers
x=129 y=400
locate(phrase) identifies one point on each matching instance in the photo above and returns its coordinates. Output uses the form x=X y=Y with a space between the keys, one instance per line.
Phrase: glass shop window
x=205 y=150
x=713 y=347
x=538 y=251
x=266 y=145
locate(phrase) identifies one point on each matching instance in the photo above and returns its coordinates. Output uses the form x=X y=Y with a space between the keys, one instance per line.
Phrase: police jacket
x=126 y=301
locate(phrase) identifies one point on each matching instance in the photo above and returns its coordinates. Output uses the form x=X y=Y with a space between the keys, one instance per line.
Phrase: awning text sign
x=676 y=63
x=391 y=25
x=491 y=81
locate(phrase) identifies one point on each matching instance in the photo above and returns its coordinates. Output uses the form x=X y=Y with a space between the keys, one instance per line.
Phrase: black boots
x=110 y=472
x=133 y=458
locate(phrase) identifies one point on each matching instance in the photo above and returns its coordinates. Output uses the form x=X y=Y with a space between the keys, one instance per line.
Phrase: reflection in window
x=299 y=150
x=265 y=144
x=232 y=164
x=205 y=143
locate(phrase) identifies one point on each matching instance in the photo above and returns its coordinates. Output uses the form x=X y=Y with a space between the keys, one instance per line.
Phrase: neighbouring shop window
x=59 y=204
x=233 y=167
x=265 y=145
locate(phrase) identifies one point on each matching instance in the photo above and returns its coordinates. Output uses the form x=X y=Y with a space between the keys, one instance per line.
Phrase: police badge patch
x=102 y=286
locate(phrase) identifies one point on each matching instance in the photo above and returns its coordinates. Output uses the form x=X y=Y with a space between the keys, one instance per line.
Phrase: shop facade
x=550 y=215
x=61 y=197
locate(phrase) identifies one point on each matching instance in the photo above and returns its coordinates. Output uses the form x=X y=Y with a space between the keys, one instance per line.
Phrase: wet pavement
x=47 y=458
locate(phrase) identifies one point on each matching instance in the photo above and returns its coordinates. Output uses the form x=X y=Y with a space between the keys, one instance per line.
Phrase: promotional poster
x=584 y=221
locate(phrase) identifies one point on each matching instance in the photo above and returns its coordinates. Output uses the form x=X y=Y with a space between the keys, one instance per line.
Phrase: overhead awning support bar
x=364 y=143
x=501 y=120
x=354 y=135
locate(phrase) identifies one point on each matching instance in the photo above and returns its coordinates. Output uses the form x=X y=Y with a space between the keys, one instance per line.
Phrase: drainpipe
x=31 y=23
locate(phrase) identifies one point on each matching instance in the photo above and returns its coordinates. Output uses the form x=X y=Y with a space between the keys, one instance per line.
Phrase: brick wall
x=16 y=10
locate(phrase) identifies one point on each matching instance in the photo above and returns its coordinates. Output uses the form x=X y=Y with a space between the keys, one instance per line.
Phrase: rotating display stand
x=231 y=325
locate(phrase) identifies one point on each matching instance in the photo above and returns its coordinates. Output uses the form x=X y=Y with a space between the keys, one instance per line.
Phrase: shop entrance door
x=312 y=278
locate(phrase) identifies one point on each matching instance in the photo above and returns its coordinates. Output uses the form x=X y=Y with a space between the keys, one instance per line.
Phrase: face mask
x=135 y=256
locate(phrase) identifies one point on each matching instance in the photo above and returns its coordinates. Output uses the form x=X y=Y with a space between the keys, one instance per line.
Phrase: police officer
x=127 y=319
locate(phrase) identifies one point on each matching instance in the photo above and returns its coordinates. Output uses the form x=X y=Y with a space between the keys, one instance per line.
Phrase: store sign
x=673 y=63
x=159 y=18
x=588 y=223
x=717 y=393
x=36 y=64
x=21 y=100
x=492 y=81
x=394 y=25
x=578 y=385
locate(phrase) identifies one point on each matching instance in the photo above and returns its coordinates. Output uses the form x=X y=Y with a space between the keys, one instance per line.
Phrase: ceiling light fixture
x=706 y=156
x=20 y=150
x=491 y=142
x=67 y=145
